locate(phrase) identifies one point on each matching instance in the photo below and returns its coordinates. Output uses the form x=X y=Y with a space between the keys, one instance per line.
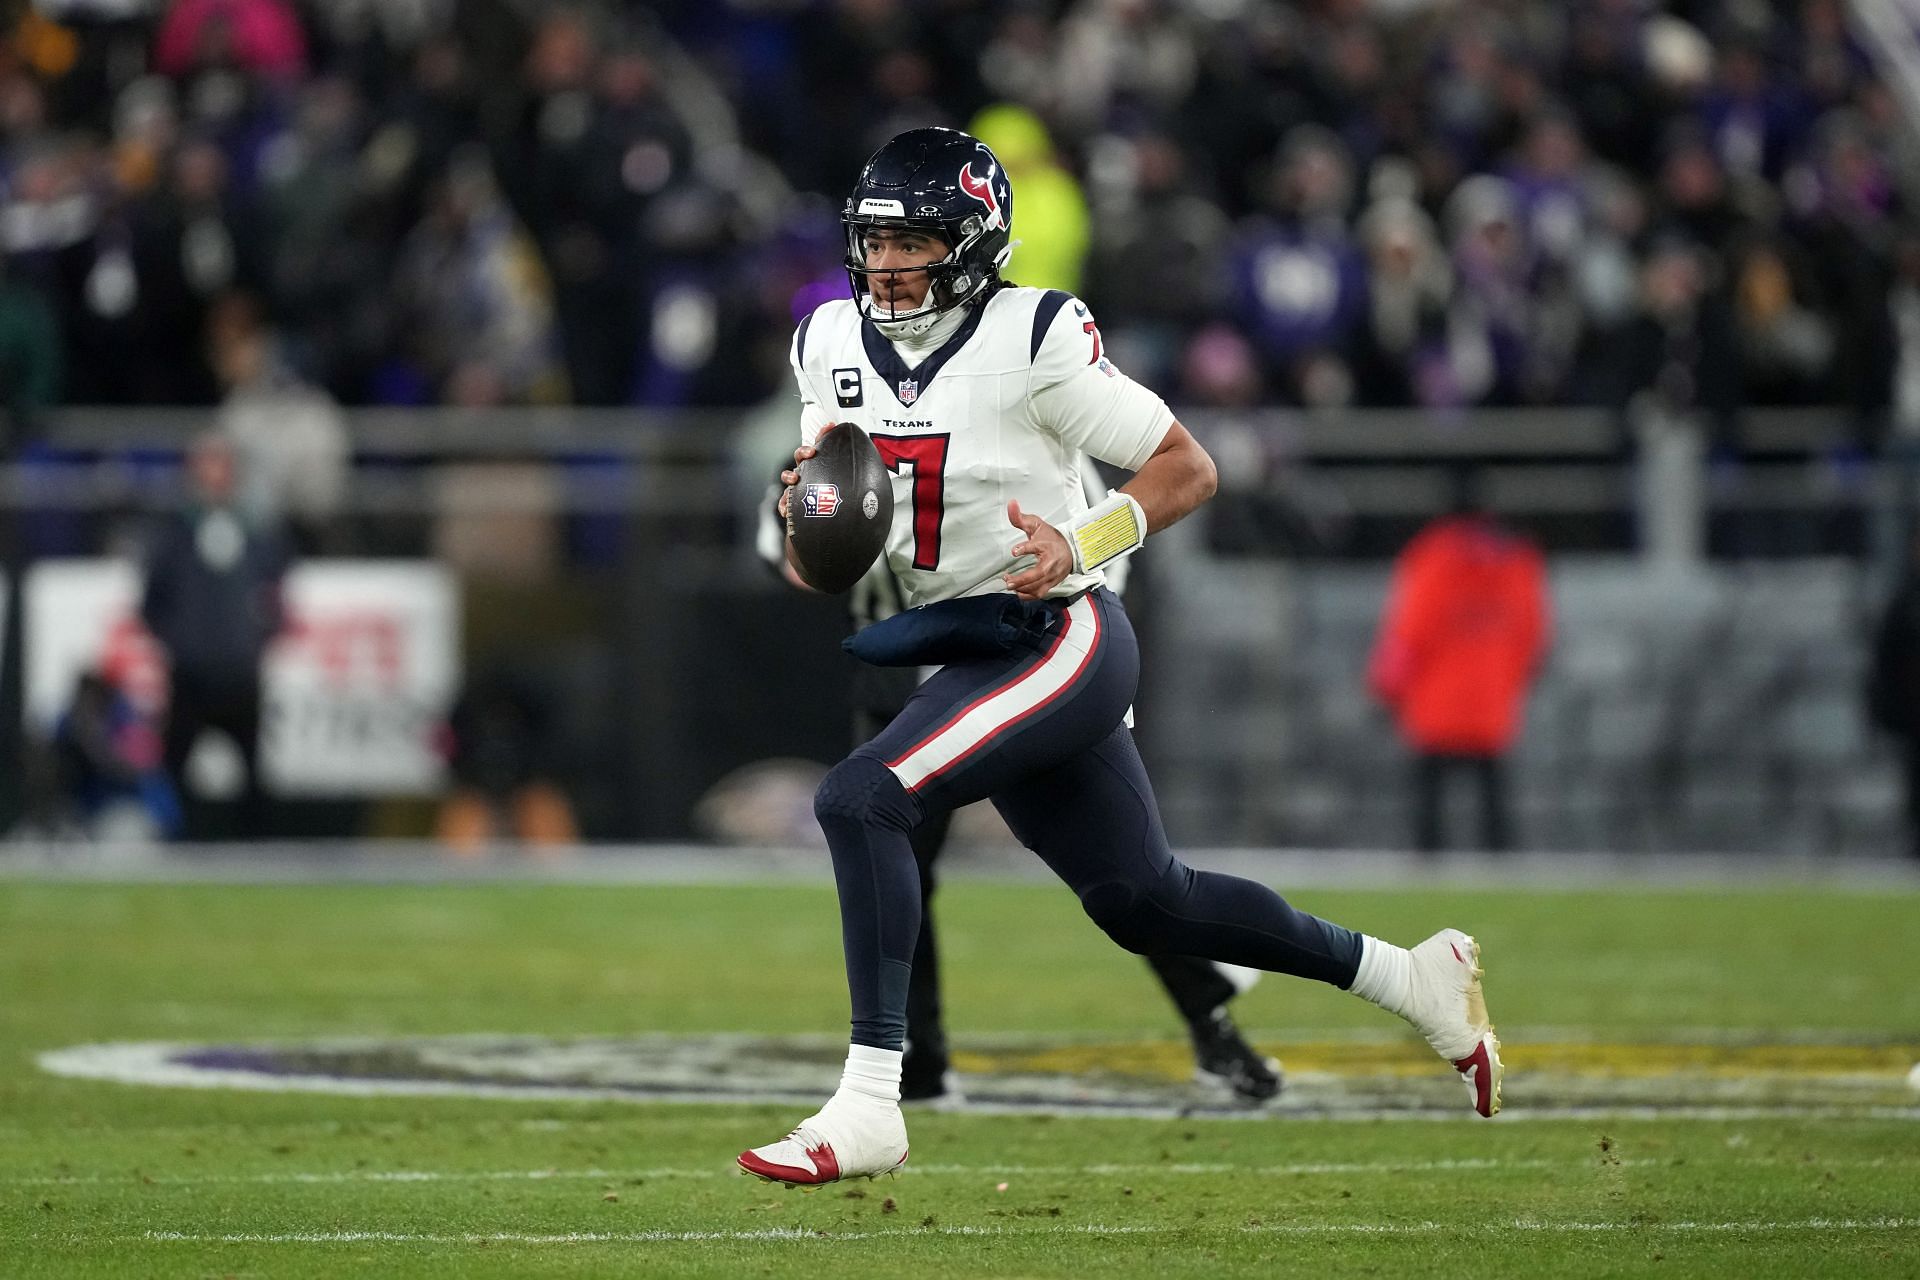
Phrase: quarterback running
x=981 y=397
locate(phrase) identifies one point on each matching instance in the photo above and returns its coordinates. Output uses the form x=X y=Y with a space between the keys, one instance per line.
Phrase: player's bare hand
x=791 y=476
x=1052 y=557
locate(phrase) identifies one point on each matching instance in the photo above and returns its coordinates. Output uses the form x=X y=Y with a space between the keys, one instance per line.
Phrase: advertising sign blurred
x=356 y=688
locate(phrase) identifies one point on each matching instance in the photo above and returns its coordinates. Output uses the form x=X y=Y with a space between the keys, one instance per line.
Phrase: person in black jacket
x=1894 y=688
x=213 y=602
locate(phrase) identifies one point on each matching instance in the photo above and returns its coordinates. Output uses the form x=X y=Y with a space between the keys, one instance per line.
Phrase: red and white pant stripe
x=970 y=728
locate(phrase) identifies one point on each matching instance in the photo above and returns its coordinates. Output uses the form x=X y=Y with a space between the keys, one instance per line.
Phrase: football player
x=1199 y=989
x=981 y=396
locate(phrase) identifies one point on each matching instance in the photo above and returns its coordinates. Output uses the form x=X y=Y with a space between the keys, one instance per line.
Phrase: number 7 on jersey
x=927 y=457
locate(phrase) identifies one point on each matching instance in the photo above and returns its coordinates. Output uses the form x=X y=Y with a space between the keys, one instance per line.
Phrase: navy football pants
x=1042 y=736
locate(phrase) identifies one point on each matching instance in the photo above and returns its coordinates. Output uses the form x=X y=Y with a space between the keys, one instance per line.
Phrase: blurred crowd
x=1320 y=203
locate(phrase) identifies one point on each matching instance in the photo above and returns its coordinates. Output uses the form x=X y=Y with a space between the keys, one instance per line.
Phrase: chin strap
x=1102 y=534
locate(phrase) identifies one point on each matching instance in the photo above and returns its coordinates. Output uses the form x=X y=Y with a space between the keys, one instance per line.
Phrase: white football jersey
x=1000 y=412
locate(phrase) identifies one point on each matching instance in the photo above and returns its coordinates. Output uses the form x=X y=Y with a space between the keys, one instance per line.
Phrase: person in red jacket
x=1461 y=638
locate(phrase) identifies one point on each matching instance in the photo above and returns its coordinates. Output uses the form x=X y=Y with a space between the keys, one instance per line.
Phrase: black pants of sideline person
x=234 y=709
x=1911 y=751
x=1430 y=783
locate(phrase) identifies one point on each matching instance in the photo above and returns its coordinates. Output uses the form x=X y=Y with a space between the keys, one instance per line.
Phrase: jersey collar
x=909 y=384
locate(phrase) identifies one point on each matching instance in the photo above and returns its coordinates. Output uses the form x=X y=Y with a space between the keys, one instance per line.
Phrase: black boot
x=1222 y=1057
x=924 y=1076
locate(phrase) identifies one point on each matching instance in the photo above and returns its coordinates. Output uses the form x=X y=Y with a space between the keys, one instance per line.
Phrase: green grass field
x=104 y=1179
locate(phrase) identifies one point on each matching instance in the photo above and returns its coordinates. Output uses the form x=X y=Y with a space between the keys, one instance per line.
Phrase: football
x=839 y=514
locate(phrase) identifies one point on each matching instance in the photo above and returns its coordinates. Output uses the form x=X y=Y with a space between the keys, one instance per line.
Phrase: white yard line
x=985 y=1171
x=922 y=1171
x=796 y=1234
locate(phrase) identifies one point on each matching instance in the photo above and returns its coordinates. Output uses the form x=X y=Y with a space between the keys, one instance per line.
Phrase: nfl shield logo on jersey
x=820 y=500
x=909 y=390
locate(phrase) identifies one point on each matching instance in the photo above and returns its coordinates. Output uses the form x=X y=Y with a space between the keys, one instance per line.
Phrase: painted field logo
x=1378 y=1078
x=820 y=500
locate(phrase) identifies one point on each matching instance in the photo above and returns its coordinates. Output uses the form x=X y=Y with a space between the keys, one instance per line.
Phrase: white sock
x=1385 y=976
x=873 y=1073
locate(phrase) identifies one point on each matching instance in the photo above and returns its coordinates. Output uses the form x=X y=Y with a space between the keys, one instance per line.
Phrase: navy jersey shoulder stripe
x=1043 y=315
x=800 y=339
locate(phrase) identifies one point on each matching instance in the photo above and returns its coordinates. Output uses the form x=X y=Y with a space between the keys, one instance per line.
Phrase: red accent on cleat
x=826 y=1167
x=1456 y=953
x=1479 y=1073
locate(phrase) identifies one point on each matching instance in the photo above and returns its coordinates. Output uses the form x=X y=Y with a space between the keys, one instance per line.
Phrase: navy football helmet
x=941 y=181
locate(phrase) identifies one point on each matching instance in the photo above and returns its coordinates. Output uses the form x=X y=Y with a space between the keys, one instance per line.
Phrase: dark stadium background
x=506 y=287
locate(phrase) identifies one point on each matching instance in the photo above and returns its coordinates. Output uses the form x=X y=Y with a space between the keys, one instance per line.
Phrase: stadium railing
x=613 y=546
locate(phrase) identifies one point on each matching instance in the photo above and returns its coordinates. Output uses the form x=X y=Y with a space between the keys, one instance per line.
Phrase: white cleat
x=850 y=1137
x=1449 y=1009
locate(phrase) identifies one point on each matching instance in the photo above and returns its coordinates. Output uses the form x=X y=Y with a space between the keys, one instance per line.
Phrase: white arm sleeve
x=1087 y=402
x=813 y=420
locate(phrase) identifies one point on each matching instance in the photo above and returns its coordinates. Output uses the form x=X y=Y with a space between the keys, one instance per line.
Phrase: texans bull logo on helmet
x=981 y=189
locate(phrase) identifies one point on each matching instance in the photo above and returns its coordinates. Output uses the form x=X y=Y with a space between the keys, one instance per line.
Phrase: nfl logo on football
x=820 y=499
x=909 y=390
